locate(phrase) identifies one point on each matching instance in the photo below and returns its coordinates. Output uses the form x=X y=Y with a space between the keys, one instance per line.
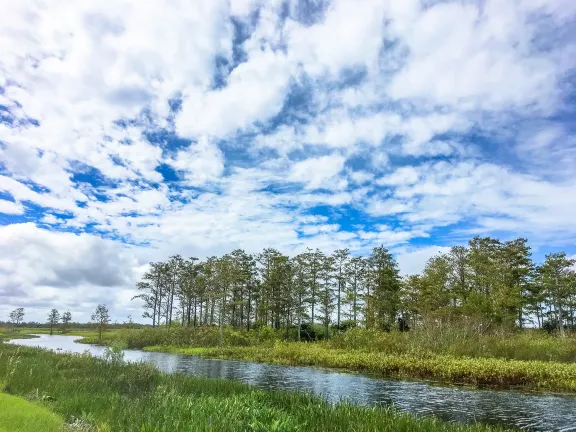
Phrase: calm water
x=526 y=411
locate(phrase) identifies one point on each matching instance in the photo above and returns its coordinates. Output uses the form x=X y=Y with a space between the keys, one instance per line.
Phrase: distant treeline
x=488 y=279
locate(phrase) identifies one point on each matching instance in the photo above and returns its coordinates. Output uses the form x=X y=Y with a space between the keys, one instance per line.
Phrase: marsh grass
x=480 y=371
x=462 y=340
x=462 y=354
x=136 y=397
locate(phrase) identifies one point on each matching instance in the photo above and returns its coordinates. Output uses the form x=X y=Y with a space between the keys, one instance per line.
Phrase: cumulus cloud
x=131 y=131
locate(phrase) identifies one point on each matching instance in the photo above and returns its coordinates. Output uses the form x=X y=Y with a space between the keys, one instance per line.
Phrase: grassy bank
x=491 y=372
x=19 y=415
x=451 y=341
x=529 y=360
x=119 y=397
x=8 y=335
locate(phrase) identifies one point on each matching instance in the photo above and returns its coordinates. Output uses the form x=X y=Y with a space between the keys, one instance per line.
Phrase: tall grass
x=193 y=337
x=456 y=340
x=494 y=372
x=461 y=341
x=112 y=396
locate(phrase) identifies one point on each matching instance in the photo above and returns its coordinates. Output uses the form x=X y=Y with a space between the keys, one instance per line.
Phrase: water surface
x=533 y=412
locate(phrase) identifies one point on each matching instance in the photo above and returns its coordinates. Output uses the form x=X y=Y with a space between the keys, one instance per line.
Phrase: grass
x=58 y=331
x=481 y=372
x=529 y=359
x=178 y=350
x=6 y=334
x=136 y=397
x=19 y=415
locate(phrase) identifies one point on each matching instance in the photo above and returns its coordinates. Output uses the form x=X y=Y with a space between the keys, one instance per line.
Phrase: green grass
x=526 y=359
x=177 y=350
x=138 y=398
x=455 y=340
x=19 y=415
x=6 y=334
x=483 y=372
x=58 y=331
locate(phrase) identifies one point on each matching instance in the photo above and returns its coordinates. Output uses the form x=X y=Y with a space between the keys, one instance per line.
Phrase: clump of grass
x=136 y=397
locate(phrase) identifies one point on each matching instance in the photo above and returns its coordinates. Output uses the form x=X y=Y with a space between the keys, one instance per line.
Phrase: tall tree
x=327 y=292
x=385 y=282
x=300 y=285
x=340 y=258
x=16 y=316
x=101 y=318
x=66 y=318
x=355 y=276
x=53 y=318
x=556 y=274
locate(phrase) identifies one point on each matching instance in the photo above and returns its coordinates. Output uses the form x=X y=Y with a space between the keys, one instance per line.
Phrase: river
x=527 y=411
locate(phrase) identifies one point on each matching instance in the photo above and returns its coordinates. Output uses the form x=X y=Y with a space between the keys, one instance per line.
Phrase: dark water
x=511 y=409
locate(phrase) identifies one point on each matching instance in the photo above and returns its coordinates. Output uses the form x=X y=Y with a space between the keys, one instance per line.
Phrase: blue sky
x=134 y=130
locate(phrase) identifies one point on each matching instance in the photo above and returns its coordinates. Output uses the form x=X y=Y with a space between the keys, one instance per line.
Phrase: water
x=531 y=412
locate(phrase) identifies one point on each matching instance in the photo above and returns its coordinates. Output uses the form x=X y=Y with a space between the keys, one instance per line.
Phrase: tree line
x=100 y=319
x=54 y=317
x=490 y=279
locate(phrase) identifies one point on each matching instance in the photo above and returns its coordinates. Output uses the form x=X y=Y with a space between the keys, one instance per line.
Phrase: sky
x=132 y=130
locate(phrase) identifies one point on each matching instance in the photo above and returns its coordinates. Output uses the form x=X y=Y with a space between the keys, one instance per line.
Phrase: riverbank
x=136 y=397
x=526 y=360
x=6 y=336
x=480 y=372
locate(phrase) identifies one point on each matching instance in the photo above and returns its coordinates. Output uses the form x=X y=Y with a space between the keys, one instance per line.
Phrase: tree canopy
x=488 y=278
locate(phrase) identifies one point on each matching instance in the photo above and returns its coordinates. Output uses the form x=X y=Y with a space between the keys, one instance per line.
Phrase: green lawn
x=19 y=415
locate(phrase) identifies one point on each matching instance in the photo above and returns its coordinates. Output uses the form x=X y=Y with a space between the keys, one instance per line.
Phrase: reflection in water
x=512 y=409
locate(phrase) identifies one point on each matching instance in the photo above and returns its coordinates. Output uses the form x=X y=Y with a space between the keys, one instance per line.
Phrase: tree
x=16 y=316
x=53 y=318
x=66 y=319
x=488 y=280
x=101 y=318
x=384 y=280
x=326 y=295
x=555 y=274
x=341 y=258
x=355 y=276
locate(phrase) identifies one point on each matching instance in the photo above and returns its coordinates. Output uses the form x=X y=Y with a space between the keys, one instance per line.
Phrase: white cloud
x=413 y=260
x=348 y=36
x=9 y=207
x=200 y=163
x=255 y=92
x=471 y=57
x=318 y=172
x=421 y=115
x=42 y=268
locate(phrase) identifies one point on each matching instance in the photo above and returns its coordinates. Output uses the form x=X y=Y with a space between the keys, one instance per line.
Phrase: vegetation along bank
x=91 y=394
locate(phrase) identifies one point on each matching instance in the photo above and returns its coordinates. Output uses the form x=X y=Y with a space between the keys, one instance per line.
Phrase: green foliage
x=135 y=398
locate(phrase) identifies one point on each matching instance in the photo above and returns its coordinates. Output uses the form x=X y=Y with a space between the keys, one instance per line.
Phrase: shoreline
x=541 y=377
x=479 y=373
x=146 y=399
